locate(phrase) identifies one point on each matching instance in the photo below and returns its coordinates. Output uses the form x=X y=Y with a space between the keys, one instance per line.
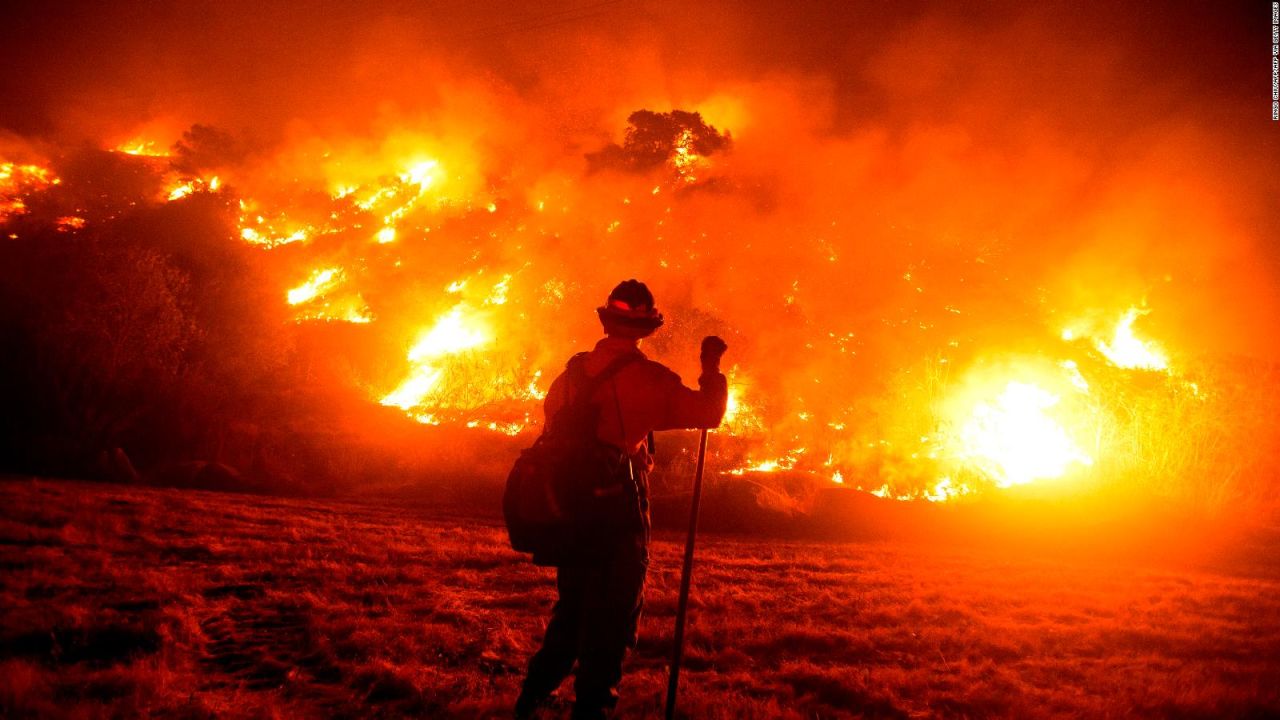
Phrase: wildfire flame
x=361 y=215
x=1126 y=350
x=1015 y=440
x=941 y=491
x=685 y=161
x=1122 y=347
x=786 y=462
x=142 y=148
x=256 y=237
x=193 y=185
x=733 y=405
x=69 y=223
x=454 y=332
x=1010 y=433
x=320 y=282
x=741 y=416
x=20 y=181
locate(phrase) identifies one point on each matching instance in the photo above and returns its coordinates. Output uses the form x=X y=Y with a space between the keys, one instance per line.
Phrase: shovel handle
x=686 y=576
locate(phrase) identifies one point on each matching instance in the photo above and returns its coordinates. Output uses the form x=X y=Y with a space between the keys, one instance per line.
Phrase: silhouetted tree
x=152 y=328
x=204 y=148
x=99 y=337
x=653 y=138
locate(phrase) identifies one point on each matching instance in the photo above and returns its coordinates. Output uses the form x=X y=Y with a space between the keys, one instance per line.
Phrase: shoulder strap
x=584 y=393
x=583 y=386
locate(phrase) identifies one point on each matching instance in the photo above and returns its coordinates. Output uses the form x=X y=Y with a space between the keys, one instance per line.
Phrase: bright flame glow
x=786 y=462
x=740 y=416
x=1126 y=350
x=421 y=174
x=141 y=148
x=70 y=222
x=685 y=160
x=532 y=390
x=945 y=489
x=452 y=333
x=320 y=282
x=19 y=181
x=353 y=311
x=270 y=237
x=414 y=390
x=500 y=290
x=1073 y=374
x=732 y=406
x=1015 y=441
x=184 y=189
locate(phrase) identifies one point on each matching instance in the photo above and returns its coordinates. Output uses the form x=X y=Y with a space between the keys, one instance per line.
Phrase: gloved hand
x=712 y=348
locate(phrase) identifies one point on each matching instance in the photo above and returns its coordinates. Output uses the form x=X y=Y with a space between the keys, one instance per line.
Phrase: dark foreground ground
x=129 y=602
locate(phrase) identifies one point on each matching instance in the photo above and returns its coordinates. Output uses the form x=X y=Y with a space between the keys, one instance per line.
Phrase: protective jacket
x=643 y=397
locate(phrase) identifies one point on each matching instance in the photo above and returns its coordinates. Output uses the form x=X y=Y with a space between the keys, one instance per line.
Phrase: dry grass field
x=129 y=602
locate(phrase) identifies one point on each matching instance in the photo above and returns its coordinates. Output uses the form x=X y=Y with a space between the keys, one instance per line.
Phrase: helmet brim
x=634 y=320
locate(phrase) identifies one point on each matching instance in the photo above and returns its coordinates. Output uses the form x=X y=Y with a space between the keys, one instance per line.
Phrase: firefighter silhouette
x=600 y=588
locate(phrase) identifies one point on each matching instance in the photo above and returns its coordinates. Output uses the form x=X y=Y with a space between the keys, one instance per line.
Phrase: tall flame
x=1120 y=345
x=1126 y=350
x=454 y=332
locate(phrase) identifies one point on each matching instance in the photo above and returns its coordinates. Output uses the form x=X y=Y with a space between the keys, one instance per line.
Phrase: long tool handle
x=686 y=576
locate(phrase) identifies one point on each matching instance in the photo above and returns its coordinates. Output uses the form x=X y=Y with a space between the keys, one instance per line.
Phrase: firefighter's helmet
x=630 y=311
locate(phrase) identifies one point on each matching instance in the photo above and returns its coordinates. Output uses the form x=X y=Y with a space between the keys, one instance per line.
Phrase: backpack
x=551 y=504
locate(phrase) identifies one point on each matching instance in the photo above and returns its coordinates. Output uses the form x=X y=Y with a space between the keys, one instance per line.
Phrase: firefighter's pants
x=593 y=622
